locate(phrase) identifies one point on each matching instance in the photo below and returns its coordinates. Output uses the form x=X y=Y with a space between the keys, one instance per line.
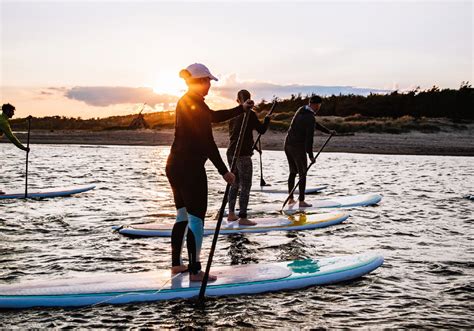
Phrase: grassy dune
x=359 y=123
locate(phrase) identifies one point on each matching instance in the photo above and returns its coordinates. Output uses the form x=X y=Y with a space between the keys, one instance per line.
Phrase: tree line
x=431 y=103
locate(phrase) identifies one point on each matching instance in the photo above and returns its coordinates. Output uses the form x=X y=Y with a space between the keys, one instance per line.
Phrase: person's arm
x=218 y=116
x=261 y=127
x=213 y=151
x=8 y=132
x=216 y=159
x=322 y=128
x=309 y=135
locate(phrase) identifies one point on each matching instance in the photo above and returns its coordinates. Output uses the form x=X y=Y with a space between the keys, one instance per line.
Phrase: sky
x=102 y=58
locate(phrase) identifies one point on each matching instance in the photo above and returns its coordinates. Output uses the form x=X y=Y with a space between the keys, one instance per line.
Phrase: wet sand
x=459 y=143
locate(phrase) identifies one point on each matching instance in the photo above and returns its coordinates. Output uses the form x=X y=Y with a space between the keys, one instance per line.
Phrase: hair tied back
x=185 y=74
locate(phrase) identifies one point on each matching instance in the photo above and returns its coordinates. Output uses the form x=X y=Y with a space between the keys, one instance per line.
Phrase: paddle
x=307 y=169
x=259 y=149
x=243 y=128
x=27 y=153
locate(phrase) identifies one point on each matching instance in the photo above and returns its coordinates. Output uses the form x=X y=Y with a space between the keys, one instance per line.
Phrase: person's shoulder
x=182 y=100
x=303 y=111
x=189 y=100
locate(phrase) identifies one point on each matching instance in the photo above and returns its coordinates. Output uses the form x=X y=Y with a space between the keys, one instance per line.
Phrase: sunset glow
x=168 y=82
x=91 y=59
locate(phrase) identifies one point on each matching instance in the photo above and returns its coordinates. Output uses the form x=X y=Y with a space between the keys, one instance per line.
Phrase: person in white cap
x=193 y=144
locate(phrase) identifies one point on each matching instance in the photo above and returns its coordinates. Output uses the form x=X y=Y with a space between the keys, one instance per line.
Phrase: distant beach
x=455 y=143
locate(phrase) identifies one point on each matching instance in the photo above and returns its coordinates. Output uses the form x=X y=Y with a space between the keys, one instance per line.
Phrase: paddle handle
x=240 y=140
x=27 y=154
x=307 y=169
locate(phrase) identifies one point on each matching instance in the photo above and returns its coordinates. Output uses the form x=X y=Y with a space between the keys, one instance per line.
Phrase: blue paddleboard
x=47 y=193
x=94 y=289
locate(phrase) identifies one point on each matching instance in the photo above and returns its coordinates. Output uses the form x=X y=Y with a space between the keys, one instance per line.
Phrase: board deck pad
x=337 y=202
x=266 y=224
x=47 y=193
x=159 y=285
x=146 y=281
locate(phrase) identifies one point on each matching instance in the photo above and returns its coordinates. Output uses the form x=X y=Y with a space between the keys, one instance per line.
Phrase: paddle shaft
x=307 y=169
x=27 y=153
x=259 y=150
x=240 y=140
x=260 y=135
x=262 y=181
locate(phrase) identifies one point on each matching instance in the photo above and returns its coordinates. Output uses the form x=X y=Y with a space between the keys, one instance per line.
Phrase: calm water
x=423 y=227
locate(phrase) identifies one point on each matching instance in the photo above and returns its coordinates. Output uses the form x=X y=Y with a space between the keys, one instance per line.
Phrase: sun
x=169 y=83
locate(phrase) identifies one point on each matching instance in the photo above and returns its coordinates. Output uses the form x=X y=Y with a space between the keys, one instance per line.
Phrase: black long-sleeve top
x=193 y=140
x=234 y=130
x=301 y=131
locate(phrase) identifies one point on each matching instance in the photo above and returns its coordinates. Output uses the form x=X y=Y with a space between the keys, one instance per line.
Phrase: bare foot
x=246 y=221
x=291 y=202
x=232 y=217
x=199 y=277
x=178 y=269
x=305 y=204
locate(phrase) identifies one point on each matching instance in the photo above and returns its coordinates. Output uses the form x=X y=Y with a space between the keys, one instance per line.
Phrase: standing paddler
x=193 y=144
x=299 y=142
x=8 y=111
x=244 y=167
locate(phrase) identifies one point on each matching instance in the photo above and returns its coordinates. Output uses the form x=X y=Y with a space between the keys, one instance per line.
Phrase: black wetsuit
x=193 y=144
x=243 y=169
x=298 y=143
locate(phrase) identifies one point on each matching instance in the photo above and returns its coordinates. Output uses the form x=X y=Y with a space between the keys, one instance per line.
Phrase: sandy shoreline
x=458 y=143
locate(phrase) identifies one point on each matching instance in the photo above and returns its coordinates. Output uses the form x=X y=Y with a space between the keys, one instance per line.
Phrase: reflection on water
x=423 y=227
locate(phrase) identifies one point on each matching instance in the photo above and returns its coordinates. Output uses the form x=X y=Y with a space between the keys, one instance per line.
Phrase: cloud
x=58 y=89
x=103 y=96
x=221 y=94
x=267 y=90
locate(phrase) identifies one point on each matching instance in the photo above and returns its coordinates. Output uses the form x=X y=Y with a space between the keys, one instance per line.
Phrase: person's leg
x=179 y=230
x=177 y=241
x=194 y=243
x=234 y=189
x=302 y=165
x=245 y=171
x=195 y=200
x=293 y=172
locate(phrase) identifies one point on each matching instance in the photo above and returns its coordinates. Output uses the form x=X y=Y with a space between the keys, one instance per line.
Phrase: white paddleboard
x=47 y=193
x=292 y=223
x=337 y=202
x=269 y=189
x=159 y=285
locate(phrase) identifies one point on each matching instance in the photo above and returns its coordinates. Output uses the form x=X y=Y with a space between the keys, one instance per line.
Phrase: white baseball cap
x=199 y=70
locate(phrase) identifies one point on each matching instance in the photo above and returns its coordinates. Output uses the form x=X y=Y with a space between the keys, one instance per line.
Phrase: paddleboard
x=292 y=223
x=48 y=193
x=337 y=202
x=159 y=285
x=267 y=189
